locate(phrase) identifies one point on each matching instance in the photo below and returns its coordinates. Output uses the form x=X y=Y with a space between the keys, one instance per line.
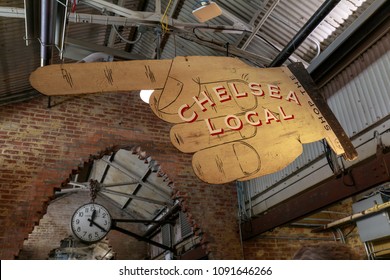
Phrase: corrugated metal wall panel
x=260 y=46
x=242 y=9
x=147 y=44
x=311 y=152
x=177 y=46
x=185 y=15
x=283 y=23
x=14 y=73
x=359 y=98
x=92 y=33
x=359 y=95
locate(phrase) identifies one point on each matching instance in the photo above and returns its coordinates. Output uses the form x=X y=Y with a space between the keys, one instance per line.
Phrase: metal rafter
x=129 y=19
x=141 y=181
x=136 y=197
x=12 y=12
x=259 y=25
x=117 y=9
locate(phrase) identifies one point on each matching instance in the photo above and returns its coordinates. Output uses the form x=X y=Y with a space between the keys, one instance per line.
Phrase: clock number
x=77 y=221
x=78 y=229
x=81 y=214
x=105 y=222
x=104 y=215
x=96 y=234
x=90 y=236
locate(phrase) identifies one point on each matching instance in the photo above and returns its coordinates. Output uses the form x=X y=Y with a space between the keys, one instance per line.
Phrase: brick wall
x=39 y=148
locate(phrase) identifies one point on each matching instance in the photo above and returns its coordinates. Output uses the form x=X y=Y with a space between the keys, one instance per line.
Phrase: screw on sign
x=240 y=122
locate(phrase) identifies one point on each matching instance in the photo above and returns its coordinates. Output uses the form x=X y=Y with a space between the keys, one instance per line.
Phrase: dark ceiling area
x=262 y=33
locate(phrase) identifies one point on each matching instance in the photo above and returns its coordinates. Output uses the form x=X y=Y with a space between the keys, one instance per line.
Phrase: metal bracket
x=140 y=238
x=380 y=147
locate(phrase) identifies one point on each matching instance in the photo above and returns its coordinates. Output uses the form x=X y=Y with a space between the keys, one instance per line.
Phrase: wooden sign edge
x=311 y=88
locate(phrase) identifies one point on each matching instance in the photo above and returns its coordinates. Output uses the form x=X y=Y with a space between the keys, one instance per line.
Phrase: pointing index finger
x=98 y=77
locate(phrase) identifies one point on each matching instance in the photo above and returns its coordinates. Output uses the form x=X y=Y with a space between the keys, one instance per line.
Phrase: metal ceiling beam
x=358 y=179
x=139 y=237
x=136 y=176
x=259 y=25
x=110 y=7
x=237 y=22
x=151 y=20
x=136 y=197
x=157 y=6
x=255 y=58
x=372 y=24
x=78 y=49
x=162 y=220
x=304 y=32
x=137 y=221
x=12 y=12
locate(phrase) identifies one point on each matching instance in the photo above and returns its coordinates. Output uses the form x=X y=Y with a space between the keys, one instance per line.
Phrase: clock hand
x=96 y=224
x=92 y=217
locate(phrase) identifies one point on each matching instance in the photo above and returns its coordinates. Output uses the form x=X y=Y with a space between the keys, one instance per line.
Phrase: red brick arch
x=39 y=147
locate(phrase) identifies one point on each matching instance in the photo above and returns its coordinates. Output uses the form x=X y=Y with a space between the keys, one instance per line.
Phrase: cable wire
x=164 y=20
x=125 y=40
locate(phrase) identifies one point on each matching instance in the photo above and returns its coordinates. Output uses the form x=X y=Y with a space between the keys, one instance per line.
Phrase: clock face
x=91 y=222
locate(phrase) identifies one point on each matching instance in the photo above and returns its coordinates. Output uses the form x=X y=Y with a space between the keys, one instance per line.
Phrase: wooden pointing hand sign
x=239 y=121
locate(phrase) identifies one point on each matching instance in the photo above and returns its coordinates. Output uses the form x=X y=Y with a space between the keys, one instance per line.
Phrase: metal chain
x=94 y=188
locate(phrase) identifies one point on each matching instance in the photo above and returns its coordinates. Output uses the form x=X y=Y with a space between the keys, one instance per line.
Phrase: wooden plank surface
x=100 y=77
x=240 y=121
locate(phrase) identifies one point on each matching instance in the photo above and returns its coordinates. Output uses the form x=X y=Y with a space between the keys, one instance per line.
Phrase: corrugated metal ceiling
x=275 y=31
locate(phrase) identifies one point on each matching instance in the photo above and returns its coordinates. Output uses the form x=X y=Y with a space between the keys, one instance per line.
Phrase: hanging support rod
x=140 y=238
x=305 y=31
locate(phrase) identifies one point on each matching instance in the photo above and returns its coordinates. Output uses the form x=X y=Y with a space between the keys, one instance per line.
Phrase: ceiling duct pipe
x=304 y=32
x=48 y=22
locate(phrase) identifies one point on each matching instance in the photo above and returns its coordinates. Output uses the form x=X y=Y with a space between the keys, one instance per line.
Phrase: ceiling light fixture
x=207 y=11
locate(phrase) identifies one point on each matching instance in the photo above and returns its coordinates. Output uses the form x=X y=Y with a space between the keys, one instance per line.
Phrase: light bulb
x=145 y=94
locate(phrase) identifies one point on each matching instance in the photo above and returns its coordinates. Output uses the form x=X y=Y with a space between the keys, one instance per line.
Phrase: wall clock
x=91 y=222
